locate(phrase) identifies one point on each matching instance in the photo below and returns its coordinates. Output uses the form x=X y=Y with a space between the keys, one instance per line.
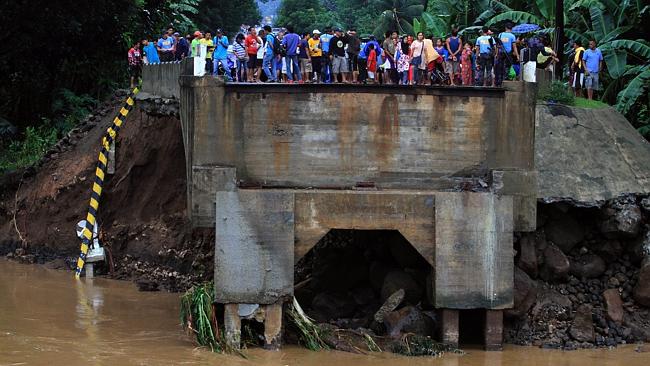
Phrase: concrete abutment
x=273 y=168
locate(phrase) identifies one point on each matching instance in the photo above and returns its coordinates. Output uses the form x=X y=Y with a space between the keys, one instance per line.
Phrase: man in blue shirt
x=220 y=54
x=325 y=46
x=592 y=60
x=165 y=48
x=150 y=52
x=291 y=41
x=506 y=54
x=485 y=57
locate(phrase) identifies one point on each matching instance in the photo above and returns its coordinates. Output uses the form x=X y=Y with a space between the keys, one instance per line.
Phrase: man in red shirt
x=135 y=64
x=252 y=43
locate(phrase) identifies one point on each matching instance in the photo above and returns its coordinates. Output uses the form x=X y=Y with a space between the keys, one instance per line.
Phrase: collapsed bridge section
x=274 y=167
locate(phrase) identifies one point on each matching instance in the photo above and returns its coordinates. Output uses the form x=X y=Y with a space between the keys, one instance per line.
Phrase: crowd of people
x=334 y=56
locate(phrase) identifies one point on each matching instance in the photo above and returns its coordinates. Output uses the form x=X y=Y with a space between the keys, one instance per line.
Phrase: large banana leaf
x=435 y=25
x=586 y=4
x=577 y=36
x=616 y=61
x=546 y=8
x=613 y=34
x=635 y=89
x=635 y=47
x=601 y=22
x=515 y=16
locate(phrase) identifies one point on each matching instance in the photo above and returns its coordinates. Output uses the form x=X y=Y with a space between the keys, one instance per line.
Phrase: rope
x=100 y=173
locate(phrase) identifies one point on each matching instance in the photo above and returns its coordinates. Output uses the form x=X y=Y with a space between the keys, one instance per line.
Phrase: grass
x=593 y=104
x=415 y=345
x=21 y=154
x=310 y=333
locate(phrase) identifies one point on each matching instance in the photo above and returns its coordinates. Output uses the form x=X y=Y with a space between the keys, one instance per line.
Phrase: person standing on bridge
x=304 y=57
x=182 y=47
x=325 y=47
x=506 y=54
x=484 y=57
x=150 y=53
x=337 y=55
x=165 y=48
x=269 y=57
x=291 y=43
x=316 y=54
x=252 y=42
x=221 y=54
x=454 y=45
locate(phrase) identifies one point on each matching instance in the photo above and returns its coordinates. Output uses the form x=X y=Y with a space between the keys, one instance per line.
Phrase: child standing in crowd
x=442 y=63
x=372 y=63
x=252 y=42
x=466 y=65
x=403 y=61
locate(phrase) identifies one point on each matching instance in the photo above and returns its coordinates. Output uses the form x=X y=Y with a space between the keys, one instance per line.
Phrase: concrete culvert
x=347 y=277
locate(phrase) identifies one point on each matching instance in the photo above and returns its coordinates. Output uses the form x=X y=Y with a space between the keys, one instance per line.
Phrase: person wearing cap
x=337 y=55
x=485 y=57
x=221 y=54
x=326 y=63
x=316 y=53
x=182 y=47
x=195 y=43
x=506 y=54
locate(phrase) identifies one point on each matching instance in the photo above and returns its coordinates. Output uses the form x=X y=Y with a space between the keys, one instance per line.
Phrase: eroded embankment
x=142 y=211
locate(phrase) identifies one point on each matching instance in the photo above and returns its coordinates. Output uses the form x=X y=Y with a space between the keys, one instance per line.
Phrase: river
x=49 y=318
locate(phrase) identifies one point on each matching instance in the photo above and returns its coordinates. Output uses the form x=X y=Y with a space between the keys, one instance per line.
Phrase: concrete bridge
x=274 y=167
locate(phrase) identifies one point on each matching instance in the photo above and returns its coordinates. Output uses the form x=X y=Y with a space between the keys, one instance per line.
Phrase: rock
x=645 y=204
x=556 y=264
x=147 y=285
x=525 y=293
x=608 y=250
x=528 y=256
x=329 y=306
x=408 y=319
x=396 y=280
x=390 y=305
x=614 y=305
x=363 y=296
x=640 y=248
x=551 y=298
x=19 y=252
x=642 y=289
x=588 y=266
x=639 y=327
x=582 y=329
x=625 y=221
x=564 y=231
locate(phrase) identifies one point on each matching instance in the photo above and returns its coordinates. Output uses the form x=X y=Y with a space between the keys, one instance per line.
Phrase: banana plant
x=397 y=15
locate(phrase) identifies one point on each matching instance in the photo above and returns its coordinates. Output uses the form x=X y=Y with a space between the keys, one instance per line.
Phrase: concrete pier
x=273 y=168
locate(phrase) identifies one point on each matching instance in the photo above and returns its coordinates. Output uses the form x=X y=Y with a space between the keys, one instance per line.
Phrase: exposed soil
x=142 y=209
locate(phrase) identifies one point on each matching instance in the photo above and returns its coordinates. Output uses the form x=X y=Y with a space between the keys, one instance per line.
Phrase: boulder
x=645 y=204
x=608 y=250
x=640 y=248
x=528 y=255
x=408 y=319
x=588 y=266
x=390 y=305
x=582 y=329
x=624 y=220
x=549 y=298
x=396 y=280
x=556 y=265
x=564 y=231
x=328 y=305
x=525 y=293
x=642 y=288
x=613 y=305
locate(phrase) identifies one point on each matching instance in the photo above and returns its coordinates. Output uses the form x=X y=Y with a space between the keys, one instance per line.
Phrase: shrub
x=557 y=92
x=20 y=154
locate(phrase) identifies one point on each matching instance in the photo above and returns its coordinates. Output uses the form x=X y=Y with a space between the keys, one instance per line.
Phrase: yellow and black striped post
x=98 y=183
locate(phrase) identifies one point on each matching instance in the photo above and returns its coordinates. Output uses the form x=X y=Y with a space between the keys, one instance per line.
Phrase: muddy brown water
x=48 y=318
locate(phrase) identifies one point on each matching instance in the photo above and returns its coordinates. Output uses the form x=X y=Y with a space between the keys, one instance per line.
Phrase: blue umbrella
x=525 y=28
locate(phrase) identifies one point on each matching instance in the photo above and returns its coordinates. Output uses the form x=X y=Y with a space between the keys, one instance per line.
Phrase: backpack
x=277 y=47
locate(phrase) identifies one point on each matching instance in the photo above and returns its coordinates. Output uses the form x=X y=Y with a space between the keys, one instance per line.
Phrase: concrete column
x=273 y=326
x=449 y=327
x=493 y=330
x=232 y=325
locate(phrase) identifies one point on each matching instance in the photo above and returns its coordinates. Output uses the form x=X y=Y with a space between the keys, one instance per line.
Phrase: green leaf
x=635 y=89
x=612 y=35
x=600 y=22
x=635 y=47
x=616 y=61
x=586 y=4
x=516 y=17
x=572 y=34
x=435 y=25
x=546 y=8
x=417 y=28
